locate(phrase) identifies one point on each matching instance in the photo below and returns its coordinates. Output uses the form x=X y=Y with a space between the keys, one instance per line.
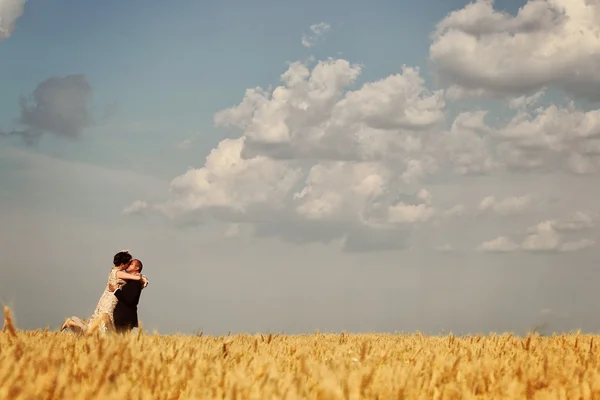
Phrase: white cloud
x=551 y=138
x=321 y=159
x=402 y=213
x=508 y=206
x=228 y=181
x=317 y=31
x=342 y=199
x=546 y=139
x=316 y=155
x=341 y=190
x=576 y=221
x=524 y=102
x=544 y=238
x=10 y=12
x=314 y=116
x=501 y=244
x=463 y=148
x=479 y=50
x=137 y=207
x=548 y=235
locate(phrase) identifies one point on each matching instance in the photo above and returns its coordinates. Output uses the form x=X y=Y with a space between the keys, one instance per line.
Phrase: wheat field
x=52 y=365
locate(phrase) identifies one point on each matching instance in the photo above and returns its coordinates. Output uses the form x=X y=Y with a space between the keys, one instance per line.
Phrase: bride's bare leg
x=66 y=324
x=75 y=324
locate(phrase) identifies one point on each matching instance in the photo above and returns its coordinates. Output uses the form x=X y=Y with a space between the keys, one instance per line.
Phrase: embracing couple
x=117 y=309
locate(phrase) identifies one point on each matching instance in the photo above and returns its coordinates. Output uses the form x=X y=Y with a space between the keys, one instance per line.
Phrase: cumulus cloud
x=544 y=238
x=403 y=213
x=59 y=106
x=508 y=206
x=230 y=182
x=464 y=147
x=313 y=116
x=478 y=50
x=334 y=162
x=317 y=31
x=550 y=139
x=322 y=159
x=10 y=12
x=546 y=139
x=332 y=200
x=576 y=221
x=329 y=153
x=524 y=102
x=547 y=236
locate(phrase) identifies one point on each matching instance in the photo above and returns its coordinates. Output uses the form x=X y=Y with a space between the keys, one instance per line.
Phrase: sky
x=383 y=166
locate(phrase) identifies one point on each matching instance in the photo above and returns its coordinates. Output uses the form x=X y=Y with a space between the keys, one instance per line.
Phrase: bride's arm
x=127 y=276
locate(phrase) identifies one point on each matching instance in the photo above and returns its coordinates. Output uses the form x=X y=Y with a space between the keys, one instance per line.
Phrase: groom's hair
x=122 y=257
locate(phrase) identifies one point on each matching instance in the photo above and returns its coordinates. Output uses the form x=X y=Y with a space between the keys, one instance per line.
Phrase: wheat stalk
x=9 y=325
x=49 y=365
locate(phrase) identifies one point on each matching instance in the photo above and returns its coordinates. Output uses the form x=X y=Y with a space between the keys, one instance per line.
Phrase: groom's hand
x=111 y=287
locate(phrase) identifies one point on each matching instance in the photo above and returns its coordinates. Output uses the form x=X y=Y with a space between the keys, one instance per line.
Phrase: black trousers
x=124 y=328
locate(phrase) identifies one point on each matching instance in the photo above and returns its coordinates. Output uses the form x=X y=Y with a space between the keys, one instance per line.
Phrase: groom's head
x=135 y=266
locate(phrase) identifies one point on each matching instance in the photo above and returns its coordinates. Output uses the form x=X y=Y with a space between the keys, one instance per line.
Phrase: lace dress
x=105 y=307
x=107 y=302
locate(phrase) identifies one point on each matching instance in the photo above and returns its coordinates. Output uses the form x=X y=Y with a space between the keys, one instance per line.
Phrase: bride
x=102 y=319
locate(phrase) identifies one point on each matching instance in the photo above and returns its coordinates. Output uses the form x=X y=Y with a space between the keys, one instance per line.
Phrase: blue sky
x=356 y=196
x=173 y=65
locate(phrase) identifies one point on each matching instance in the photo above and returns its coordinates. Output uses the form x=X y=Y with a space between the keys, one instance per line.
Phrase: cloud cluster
x=59 y=106
x=479 y=50
x=10 y=12
x=508 y=206
x=319 y=159
x=547 y=236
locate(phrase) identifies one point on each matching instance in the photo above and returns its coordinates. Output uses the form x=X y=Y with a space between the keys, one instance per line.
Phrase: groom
x=125 y=313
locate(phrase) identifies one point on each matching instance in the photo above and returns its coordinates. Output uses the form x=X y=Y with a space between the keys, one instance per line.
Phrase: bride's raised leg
x=74 y=324
x=66 y=324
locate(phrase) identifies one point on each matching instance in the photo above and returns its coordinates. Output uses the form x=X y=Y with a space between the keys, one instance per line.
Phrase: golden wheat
x=51 y=365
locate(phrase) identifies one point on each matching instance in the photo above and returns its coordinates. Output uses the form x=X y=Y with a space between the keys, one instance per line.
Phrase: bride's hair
x=122 y=257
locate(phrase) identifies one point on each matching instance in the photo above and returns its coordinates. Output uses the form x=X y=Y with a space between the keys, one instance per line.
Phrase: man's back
x=125 y=313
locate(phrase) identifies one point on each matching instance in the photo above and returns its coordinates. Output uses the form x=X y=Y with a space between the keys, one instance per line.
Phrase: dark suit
x=125 y=313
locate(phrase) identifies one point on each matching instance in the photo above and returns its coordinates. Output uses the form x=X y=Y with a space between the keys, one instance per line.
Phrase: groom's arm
x=129 y=294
